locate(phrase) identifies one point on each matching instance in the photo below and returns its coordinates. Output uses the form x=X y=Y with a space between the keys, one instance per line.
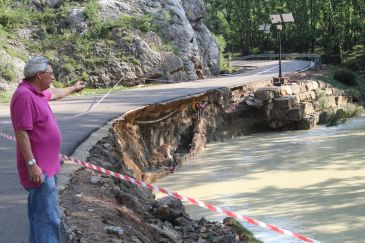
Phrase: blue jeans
x=44 y=213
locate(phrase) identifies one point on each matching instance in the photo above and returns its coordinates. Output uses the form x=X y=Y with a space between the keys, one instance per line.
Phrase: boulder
x=308 y=108
x=76 y=20
x=267 y=94
x=40 y=4
x=285 y=102
x=169 y=208
x=295 y=114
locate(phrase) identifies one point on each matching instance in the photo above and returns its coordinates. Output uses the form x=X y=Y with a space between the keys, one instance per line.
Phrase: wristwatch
x=31 y=162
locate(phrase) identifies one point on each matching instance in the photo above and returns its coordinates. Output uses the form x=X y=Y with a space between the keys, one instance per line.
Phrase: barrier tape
x=183 y=198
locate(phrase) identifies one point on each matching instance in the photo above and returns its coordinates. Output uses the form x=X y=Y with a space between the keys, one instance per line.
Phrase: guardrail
x=316 y=58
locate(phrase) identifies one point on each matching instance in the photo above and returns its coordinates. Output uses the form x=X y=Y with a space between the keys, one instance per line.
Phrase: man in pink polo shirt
x=38 y=147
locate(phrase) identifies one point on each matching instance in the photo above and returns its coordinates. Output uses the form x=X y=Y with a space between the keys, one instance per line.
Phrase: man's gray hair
x=35 y=65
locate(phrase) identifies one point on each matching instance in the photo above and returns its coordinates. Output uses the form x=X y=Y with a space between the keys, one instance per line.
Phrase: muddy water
x=310 y=182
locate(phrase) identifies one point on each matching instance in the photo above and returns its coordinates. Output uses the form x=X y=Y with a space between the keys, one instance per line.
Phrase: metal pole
x=280 y=54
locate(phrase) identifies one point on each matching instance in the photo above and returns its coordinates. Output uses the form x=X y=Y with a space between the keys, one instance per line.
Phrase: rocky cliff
x=102 y=42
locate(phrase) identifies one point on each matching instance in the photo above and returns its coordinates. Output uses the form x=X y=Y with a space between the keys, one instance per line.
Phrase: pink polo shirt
x=30 y=112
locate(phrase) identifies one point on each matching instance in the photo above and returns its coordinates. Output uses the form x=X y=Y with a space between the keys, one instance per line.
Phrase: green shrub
x=92 y=11
x=224 y=64
x=12 y=18
x=5 y=96
x=321 y=99
x=356 y=64
x=7 y=71
x=345 y=76
x=333 y=118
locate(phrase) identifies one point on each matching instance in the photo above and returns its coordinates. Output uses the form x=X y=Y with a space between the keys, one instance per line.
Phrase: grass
x=328 y=77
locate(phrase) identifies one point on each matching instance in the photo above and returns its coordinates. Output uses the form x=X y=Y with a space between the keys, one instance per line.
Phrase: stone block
x=308 y=122
x=341 y=100
x=285 y=102
x=303 y=87
x=286 y=90
x=308 y=108
x=337 y=92
x=278 y=114
x=316 y=106
x=311 y=85
x=296 y=89
x=329 y=91
x=312 y=95
x=331 y=101
x=322 y=85
x=267 y=94
x=295 y=114
x=303 y=96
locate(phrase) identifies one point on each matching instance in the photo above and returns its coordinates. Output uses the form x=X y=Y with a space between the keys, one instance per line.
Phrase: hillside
x=102 y=42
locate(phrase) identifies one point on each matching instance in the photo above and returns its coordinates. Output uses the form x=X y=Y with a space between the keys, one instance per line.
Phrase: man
x=38 y=147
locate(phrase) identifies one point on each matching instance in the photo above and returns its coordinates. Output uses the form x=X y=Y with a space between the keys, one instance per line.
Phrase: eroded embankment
x=153 y=141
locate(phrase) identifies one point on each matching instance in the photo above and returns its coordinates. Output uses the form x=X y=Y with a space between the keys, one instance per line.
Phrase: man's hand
x=59 y=93
x=79 y=85
x=34 y=173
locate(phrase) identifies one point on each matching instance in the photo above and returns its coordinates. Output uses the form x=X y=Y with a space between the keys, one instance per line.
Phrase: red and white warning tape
x=8 y=136
x=183 y=198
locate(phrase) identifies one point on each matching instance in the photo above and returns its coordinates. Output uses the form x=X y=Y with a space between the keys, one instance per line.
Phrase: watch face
x=31 y=162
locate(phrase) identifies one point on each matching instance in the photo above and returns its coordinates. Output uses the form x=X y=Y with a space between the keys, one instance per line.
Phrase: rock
x=194 y=9
x=95 y=179
x=41 y=3
x=24 y=33
x=168 y=208
x=136 y=240
x=114 y=230
x=244 y=234
x=14 y=65
x=285 y=102
x=76 y=20
x=295 y=88
x=278 y=114
x=197 y=48
x=130 y=201
x=209 y=51
x=267 y=94
x=168 y=232
x=171 y=64
x=295 y=114
x=308 y=108
x=308 y=122
x=182 y=221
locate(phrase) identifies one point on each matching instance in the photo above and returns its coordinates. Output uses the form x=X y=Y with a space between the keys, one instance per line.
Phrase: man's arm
x=34 y=172
x=59 y=93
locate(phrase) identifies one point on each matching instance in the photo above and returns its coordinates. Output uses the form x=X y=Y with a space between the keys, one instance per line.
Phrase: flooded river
x=310 y=182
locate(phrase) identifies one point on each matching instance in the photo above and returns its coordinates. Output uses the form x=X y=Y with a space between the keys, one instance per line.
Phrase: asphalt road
x=13 y=198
